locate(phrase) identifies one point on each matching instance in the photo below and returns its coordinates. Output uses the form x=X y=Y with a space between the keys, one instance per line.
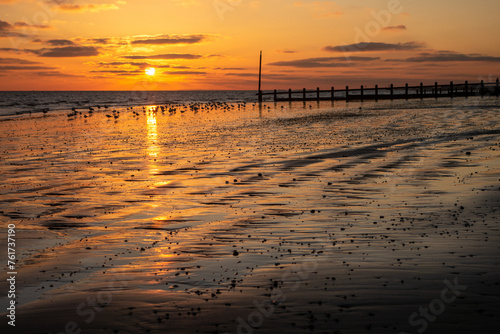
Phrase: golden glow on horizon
x=202 y=46
x=150 y=71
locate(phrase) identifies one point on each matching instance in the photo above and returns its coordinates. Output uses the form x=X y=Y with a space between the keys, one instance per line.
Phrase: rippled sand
x=283 y=219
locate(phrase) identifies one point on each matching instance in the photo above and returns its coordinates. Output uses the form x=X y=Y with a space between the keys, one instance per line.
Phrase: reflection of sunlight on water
x=162 y=184
x=152 y=134
x=164 y=253
x=153 y=149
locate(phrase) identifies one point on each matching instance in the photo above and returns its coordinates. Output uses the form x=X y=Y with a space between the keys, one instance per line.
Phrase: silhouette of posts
x=392 y=92
x=260 y=78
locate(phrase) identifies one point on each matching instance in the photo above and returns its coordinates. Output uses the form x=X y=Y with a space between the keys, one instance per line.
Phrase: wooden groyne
x=386 y=93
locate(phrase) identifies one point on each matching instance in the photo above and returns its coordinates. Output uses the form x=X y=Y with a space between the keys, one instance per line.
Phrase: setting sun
x=150 y=71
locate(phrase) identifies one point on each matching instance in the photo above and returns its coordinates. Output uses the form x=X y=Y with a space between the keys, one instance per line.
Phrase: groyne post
x=260 y=78
x=392 y=92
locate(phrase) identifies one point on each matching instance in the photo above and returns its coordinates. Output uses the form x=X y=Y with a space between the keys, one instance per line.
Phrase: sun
x=150 y=71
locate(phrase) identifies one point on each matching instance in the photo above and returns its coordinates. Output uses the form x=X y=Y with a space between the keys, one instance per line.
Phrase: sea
x=29 y=102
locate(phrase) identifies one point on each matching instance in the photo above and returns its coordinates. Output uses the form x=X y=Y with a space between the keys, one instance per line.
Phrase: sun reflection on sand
x=153 y=149
x=163 y=253
x=165 y=213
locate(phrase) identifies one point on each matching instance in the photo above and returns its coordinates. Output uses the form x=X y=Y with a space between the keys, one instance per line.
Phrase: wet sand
x=283 y=219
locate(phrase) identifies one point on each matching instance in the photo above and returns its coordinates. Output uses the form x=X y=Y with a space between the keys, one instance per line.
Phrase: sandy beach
x=288 y=218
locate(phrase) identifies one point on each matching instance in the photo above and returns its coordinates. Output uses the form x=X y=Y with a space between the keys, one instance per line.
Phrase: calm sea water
x=18 y=103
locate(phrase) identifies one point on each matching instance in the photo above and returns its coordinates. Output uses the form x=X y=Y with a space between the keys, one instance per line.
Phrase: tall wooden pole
x=260 y=78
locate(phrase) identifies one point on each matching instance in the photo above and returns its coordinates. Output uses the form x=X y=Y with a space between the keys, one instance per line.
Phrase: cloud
x=230 y=68
x=172 y=39
x=182 y=67
x=23 y=68
x=4 y=25
x=286 y=51
x=6 y=33
x=107 y=41
x=19 y=25
x=99 y=40
x=17 y=61
x=12 y=30
x=215 y=56
x=10 y=50
x=93 y=8
x=184 y=72
x=450 y=56
x=241 y=74
x=394 y=28
x=35 y=52
x=323 y=62
x=124 y=65
x=121 y=63
x=166 y=56
x=69 y=51
x=133 y=72
x=66 y=51
x=56 y=74
x=374 y=46
x=59 y=42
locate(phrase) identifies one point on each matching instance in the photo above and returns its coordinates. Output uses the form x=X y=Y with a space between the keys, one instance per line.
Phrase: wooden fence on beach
x=386 y=93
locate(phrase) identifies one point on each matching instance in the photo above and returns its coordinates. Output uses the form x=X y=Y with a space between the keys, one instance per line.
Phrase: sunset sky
x=215 y=44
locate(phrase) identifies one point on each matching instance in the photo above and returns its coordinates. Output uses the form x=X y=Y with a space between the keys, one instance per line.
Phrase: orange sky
x=215 y=44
